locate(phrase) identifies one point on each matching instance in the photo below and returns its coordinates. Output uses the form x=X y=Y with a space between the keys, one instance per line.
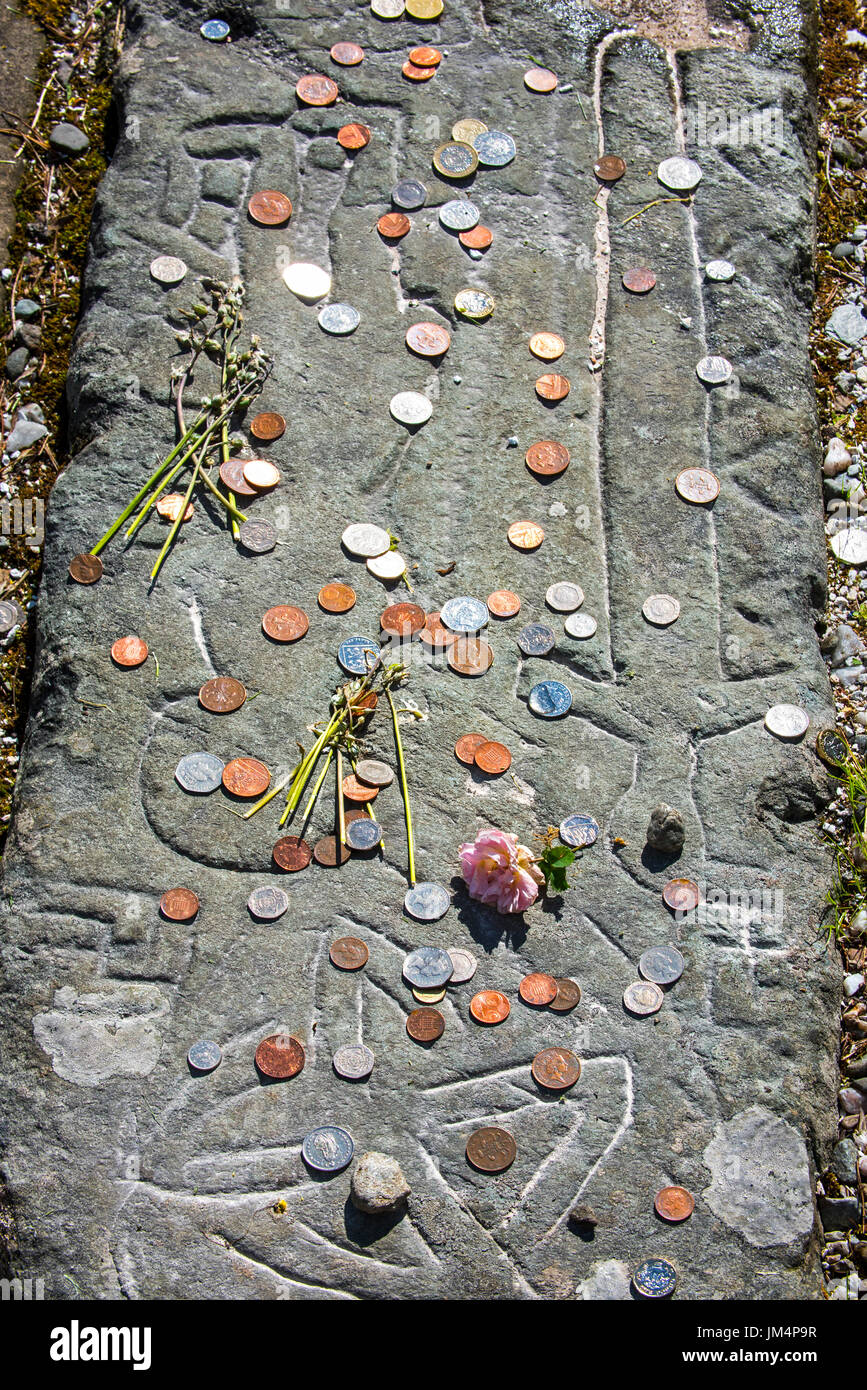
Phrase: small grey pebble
x=512 y=442
x=66 y=138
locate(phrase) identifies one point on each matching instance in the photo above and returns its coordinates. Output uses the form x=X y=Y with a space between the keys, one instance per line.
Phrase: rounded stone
x=666 y=830
x=68 y=139
x=378 y=1185
x=16 y=362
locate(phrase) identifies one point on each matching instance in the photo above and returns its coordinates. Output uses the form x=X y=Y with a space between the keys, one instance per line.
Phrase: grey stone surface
x=137 y=1179
x=378 y=1185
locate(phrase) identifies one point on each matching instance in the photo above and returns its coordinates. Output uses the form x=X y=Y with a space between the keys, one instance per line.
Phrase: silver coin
x=536 y=639
x=205 y=1056
x=643 y=997
x=365 y=540
x=464 y=614
x=216 y=30
x=327 y=1149
x=353 y=1062
x=363 y=834
x=428 y=967
x=714 y=371
x=721 y=271
x=427 y=902
x=338 y=318
x=410 y=407
x=391 y=565
x=409 y=194
x=268 y=903
x=655 y=1279
x=661 y=964
x=357 y=655
x=387 y=9
x=258 y=536
x=550 y=699
x=10 y=616
x=495 y=148
x=307 y=281
x=168 y=270
x=474 y=304
x=564 y=598
x=465 y=965
x=579 y=830
x=200 y=773
x=459 y=215
x=850 y=545
x=661 y=610
x=580 y=625
x=679 y=174
x=787 y=721
x=374 y=773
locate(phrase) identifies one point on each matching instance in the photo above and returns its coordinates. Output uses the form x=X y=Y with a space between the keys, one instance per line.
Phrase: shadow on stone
x=364 y=1229
x=485 y=925
x=655 y=860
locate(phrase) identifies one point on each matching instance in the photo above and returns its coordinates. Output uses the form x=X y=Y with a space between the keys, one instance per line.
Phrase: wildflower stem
x=404 y=789
x=341 y=813
x=316 y=790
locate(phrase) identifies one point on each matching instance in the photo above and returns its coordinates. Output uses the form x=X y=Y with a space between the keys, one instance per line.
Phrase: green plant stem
x=308 y=809
x=269 y=795
x=154 y=497
x=404 y=789
x=302 y=776
x=341 y=813
x=176 y=524
x=230 y=506
x=128 y=511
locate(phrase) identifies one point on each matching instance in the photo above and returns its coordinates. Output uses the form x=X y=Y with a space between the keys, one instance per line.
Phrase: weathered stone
x=27 y=309
x=840 y=1213
x=583 y=1215
x=608 y=1281
x=25 y=433
x=666 y=831
x=761 y=1179
x=65 y=138
x=844 y=1163
x=847 y=323
x=378 y=1185
x=16 y=363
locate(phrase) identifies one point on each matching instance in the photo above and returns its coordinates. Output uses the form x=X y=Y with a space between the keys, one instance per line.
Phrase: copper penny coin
x=417 y=74
x=179 y=904
x=540 y=80
x=609 y=168
x=434 y=634
x=466 y=746
x=280 y=1056
x=354 y=790
x=393 y=225
x=363 y=705
x=681 y=894
x=285 y=623
x=348 y=953
x=489 y=1006
x=403 y=619
x=347 y=55
x=470 y=656
x=329 y=852
x=222 y=695
x=353 y=136
x=697 y=485
x=425 y=57
x=270 y=208
x=553 y=387
x=568 y=995
x=674 y=1203
x=556 y=1068
x=267 y=426
x=547 y=458
x=502 y=603
x=129 y=651
x=246 y=777
x=292 y=854
x=547 y=346
x=538 y=989
x=425 y=1025
x=477 y=238
x=336 y=598
x=85 y=569
x=491 y=1150
x=493 y=758
x=316 y=90
x=232 y=477
x=639 y=281
x=428 y=339
x=169 y=507
x=525 y=535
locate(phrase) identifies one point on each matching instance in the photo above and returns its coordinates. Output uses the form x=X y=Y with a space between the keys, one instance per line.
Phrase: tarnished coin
x=267 y=426
x=536 y=639
x=578 y=830
x=459 y=215
x=222 y=695
x=477 y=238
x=280 y=1056
x=787 y=721
x=474 y=304
x=416 y=73
x=410 y=408
x=464 y=614
x=491 y=1149
x=502 y=603
x=467 y=128
x=538 y=989
x=215 y=30
x=292 y=854
x=428 y=339
x=171 y=505
x=609 y=168
x=327 y=1149
x=307 y=281
x=547 y=346
x=85 y=569
x=270 y=208
x=425 y=1025
x=168 y=270
x=465 y=965
x=833 y=748
x=126 y=651
x=387 y=9
x=428 y=967
x=409 y=194
x=567 y=997
x=329 y=852
x=261 y=474
x=200 y=773
x=550 y=699
x=655 y=1279
x=681 y=895
x=679 y=174
x=547 y=458
x=661 y=610
x=849 y=545
x=580 y=625
x=246 y=777
x=205 y=1055
x=564 y=597
x=467 y=746
x=358 y=655
x=674 y=1203
x=267 y=903
x=259 y=537
x=455 y=160
x=525 y=535
x=375 y=773
x=714 y=371
x=697 y=485
x=391 y=565
x=232 y=477
x=641 y=280
x=489 y=1006
x=493 y=758
x=179 y=904
x=495 y=149
x=470 y=656
x=336 y=598
x=643 y=997
x=553 y=387
x=353 y=1062
x=363 y=834
x=348 y=953
x=285 y=623
x=364 y=539
x=434 y=634
x=556 y=1068
x=540 y=79
x=427 y=902
x=338 y=319
x=353 y=790
x=425 y=56
x=662 y=965
x=316 y=90
x=354 y=136
x=424 y=9
x=721 y=271
x=347 y=55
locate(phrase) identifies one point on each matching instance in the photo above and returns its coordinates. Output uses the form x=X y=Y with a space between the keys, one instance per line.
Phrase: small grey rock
x=378 y=1185
x=30 y=334
x=847 y=643
x=844 y=1163
x=25 y=433
x=27 y=310
x=326 y=154
x=16 y=362
x=65 y=138
x=666 y=831
x=32 y=412
x=584 y=1216
x=839 y=1213
x=852 y=984
x=848 y=324
x=843 y=250
x=844 y=151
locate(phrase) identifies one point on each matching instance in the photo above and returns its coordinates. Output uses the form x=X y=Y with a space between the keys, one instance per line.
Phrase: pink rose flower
x=500 y=872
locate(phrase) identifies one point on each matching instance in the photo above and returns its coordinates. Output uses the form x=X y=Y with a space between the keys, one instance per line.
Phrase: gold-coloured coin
x=455 y=160
x=467 y=128
x=424 y=9
x=428 y=996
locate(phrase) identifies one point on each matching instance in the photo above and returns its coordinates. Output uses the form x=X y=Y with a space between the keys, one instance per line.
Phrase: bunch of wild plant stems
x=214 y=331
